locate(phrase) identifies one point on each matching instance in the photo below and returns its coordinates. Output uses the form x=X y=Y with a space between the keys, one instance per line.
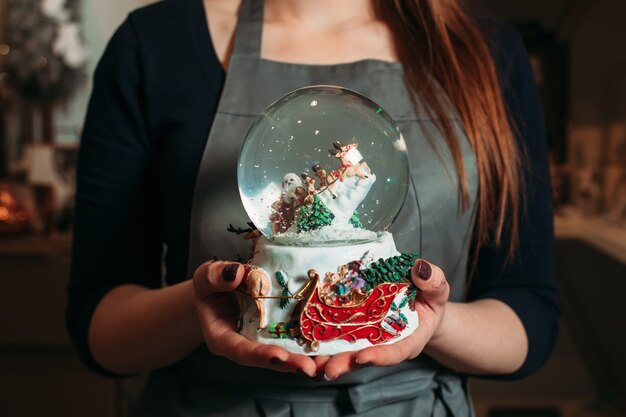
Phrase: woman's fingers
x=389 y=355
x=339 y=365
x=222 y=340
x=431 y=281
x=217 y=276
x=304 y=364
x=245 y=352
x=321 y=362
x=386 y=355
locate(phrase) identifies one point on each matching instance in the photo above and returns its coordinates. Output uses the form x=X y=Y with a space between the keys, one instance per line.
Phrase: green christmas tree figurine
x=394 y=269
x=315 y=216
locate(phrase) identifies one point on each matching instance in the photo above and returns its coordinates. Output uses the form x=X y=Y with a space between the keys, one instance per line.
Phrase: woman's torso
x=164 y=57
x=181 y=84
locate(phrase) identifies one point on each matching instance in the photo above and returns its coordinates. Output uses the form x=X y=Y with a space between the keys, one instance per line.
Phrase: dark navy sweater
x=155 y=94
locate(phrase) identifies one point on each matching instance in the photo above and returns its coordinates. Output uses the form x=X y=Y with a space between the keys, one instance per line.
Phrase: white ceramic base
x=294 y=262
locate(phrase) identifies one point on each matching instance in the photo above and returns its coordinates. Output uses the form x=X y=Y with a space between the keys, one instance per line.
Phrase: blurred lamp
x=14 y=218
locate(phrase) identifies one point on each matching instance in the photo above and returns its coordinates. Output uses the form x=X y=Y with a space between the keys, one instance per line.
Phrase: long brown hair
x=441 y=47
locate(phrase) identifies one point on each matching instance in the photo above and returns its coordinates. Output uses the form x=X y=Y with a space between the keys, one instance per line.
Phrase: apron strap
x=249 y=29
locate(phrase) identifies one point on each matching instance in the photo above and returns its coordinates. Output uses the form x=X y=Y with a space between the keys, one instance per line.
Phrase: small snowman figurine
x=283 y=214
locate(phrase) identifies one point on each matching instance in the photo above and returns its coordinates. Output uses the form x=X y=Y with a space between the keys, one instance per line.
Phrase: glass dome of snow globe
x=323 y=165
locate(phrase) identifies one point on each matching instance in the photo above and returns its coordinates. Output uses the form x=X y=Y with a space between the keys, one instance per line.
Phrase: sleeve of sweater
x=116 y=235
x=527 y=284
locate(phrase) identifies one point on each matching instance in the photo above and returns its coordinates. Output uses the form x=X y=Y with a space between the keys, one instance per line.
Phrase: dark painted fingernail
x=230 y=272
x=424 y=271
x=276 y=361
x=319 y=377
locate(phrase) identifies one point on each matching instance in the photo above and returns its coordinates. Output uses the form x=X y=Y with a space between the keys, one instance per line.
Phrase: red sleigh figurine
x=366 y=318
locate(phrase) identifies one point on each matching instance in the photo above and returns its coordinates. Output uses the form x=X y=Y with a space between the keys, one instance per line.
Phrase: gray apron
x=429 y=223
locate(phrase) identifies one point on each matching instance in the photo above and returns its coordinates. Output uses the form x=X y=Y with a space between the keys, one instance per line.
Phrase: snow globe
x=322 y=174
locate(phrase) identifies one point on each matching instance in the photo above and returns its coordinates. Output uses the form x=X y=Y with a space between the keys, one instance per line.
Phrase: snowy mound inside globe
x=321 y=206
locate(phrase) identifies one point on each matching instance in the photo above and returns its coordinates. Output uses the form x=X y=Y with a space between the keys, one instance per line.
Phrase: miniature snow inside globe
x=322 y=174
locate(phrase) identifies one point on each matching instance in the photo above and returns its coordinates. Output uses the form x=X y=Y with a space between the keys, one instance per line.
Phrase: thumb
x=430 y=279
x=217 y=276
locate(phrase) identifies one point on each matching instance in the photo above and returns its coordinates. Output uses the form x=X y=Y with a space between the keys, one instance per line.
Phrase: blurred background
x=48 y=51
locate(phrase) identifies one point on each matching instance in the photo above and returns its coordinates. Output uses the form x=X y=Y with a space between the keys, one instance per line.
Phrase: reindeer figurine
x=251 y=233
x=324 y=179
x=309 y=192
x=256 y=285
x=352 y=162
x=321 y=174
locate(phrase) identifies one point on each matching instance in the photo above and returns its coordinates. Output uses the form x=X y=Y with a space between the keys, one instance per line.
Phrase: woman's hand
x=218 y=310
x=430 y=304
